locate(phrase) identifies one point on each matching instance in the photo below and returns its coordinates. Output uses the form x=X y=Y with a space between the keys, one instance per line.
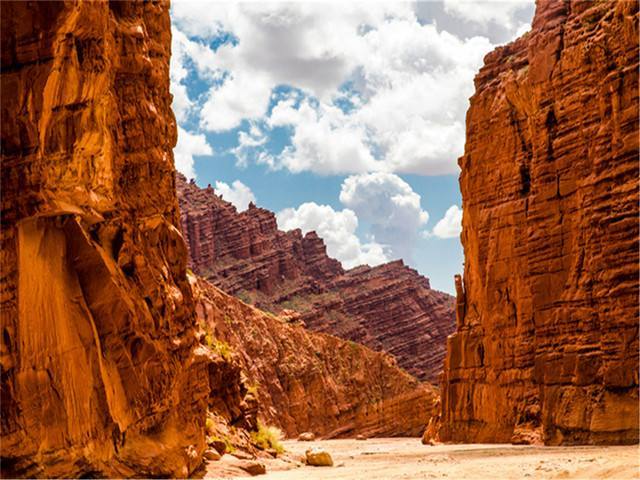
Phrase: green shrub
x=253 y=389
x=209 y=425
x=220 y=347
x=223 y=349
x=267 y=437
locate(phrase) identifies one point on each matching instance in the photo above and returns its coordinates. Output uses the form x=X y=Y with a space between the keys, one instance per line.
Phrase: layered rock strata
x=101 y=370
x=304 y=381
x=546 y=347
x=390 y=307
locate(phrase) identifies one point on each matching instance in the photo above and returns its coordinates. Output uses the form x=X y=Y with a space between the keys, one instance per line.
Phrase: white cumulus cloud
x=337 y=229
x=189 y=144
x=324 y=140
x=450 y=225
x=502 y=12
x=390 y=206
x=237 y=193
x=383 y=91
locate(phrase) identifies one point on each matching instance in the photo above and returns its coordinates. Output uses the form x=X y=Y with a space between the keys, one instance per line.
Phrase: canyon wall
x=102 y=374
x=389 y=307
x=305 y=381
x=546 y=347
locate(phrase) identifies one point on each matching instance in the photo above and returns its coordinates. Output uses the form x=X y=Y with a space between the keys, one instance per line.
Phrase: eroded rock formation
x=546 y=347
x=390 y=307
x=101 y=370
x=306 y=381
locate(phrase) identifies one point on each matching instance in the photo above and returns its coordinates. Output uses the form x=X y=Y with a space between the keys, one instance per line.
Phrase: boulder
x=212 y=454
x=219 y=446
x=318 y=457
x=307 y=437
x=253 y=468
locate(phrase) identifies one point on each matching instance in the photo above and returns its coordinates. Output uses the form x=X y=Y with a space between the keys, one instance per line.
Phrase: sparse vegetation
x=223 y=349
x=253 y=389
x=245 y=297
x=220 y=347
x=267 y=437
x=209 y=425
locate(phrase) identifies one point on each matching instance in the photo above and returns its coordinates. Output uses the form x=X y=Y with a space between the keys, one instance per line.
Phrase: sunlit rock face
x=303 y=381
x=100 y=374
x=546 y=347
x=389 y=308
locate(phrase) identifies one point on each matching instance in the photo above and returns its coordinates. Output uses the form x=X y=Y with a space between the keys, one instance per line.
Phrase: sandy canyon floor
x=407 y=458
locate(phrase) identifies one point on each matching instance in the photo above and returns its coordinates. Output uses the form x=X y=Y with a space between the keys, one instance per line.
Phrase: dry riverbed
x=407 y=458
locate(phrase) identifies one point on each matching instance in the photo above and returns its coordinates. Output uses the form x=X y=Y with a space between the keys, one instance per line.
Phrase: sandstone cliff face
x=101 y=374
x=390 y=307
x=306 y=381
x=547 y=331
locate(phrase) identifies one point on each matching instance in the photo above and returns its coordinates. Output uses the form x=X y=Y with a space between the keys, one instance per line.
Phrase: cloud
x=277 y=43
x=390 y=206
x=406 y=114
x=178 y=72
x=187 y=55
x=337 y=229
x=189 y=144
x=449 y=226
x=383 y=92
x=244 y=95
x=502 y=12
x=248 y=142
x=237 y=193
x=324 y=140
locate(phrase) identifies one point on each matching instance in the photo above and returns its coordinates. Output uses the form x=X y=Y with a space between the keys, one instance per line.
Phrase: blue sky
x=343 y=118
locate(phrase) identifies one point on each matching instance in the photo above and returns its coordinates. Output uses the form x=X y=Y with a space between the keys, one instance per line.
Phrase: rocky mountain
x=388 y=308
x=305 y=381
x=546 y=347
x=102 y=373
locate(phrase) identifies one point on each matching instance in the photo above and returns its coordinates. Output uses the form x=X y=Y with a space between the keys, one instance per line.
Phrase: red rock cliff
x=390 y=307
x=307 y=381
x=547 y=331
x=100 y=375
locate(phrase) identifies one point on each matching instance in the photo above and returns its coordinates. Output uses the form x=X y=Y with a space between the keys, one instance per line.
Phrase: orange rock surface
x=389 y=308
x=312 y=382
x=546 y=347
x=101 y=370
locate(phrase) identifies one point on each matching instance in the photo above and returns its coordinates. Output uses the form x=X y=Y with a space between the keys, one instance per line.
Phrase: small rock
x=360 y=437
x=307 y=437
x=242 y=455
x=318 y=458
x=212 y=454
x=253 y=468
x=219 y=446
x=272 y=451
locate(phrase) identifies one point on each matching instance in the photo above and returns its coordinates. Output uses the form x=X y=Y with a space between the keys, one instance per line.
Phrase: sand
x=407 y=458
